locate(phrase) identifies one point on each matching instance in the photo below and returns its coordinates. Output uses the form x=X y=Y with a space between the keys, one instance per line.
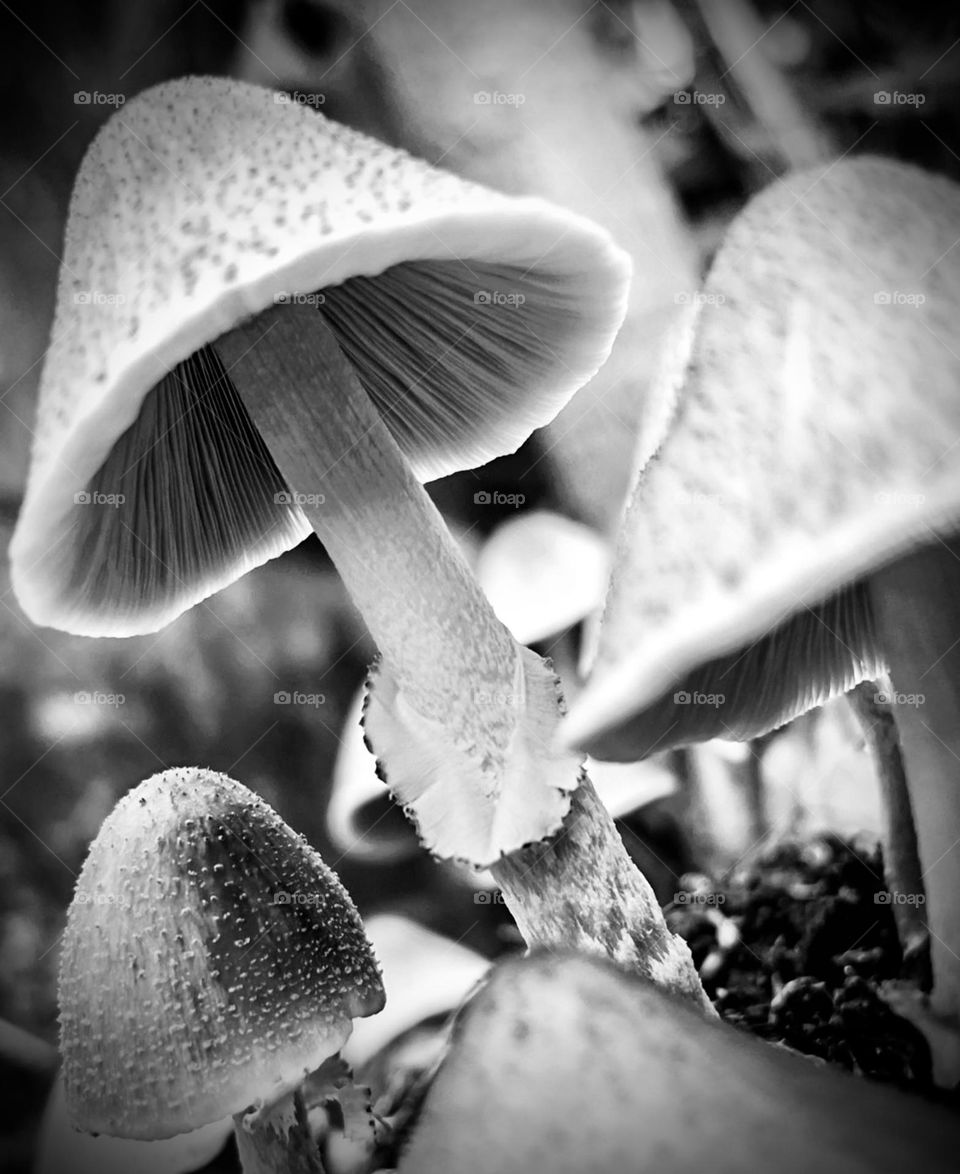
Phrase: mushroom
x=563 y=1063
x=211 y=960
x=796 y=533
x=268 y=324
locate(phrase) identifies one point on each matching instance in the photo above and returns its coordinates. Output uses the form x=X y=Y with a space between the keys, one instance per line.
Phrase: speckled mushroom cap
x=815 y=438
x=211 y=959
x=470 y=317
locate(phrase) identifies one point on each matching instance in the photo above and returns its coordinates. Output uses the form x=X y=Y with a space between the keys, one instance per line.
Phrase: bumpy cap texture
x=211 y=959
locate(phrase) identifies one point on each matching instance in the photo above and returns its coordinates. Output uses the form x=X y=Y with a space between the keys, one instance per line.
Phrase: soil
x=796 y=948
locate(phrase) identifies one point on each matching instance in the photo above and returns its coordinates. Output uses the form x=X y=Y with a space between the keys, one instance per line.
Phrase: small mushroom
x=211 y=960
x=269 y=324
x=797 y=531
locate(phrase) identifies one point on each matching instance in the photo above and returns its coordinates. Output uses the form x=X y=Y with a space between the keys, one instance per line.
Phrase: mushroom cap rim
x=616 y=693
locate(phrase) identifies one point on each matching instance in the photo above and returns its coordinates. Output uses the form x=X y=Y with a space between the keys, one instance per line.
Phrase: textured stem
x=916 y=603
x=409 y=580
x=581 y=891
x=279 y=1142
x=901 y=859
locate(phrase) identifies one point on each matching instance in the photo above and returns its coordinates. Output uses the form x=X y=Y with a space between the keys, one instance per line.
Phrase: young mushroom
x=211 y=960
x=269 y=324
x=797 y=531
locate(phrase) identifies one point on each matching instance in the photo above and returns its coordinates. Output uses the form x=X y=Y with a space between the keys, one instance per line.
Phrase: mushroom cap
x=563 y=1062
x=471 y=317
x=543 y=573
x=60 y=1147
x=814 y=440
x=210 y=961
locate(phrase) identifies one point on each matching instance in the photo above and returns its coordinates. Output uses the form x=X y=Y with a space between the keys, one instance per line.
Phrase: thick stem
x=582 y=891
x=436 y=630
x=279 y=1142
x=916 y=604
x=901 y=859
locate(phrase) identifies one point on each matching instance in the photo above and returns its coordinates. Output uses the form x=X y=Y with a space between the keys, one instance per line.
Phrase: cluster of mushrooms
x=300 y=334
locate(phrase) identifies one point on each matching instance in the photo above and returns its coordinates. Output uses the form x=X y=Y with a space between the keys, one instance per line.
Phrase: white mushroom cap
x=815 y=439
x=204 y=202
x=563 y=1062
x=210 y=961
x=543 y=573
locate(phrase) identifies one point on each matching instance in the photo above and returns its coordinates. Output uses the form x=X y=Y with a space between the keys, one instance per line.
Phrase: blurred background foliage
x=203 y=691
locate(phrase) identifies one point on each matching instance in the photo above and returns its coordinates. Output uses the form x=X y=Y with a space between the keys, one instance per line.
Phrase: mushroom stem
x=916 y=603
x=277 y=1141
x=581 y=891
x=901 y=860
x=750 y=778
x=405 y=574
